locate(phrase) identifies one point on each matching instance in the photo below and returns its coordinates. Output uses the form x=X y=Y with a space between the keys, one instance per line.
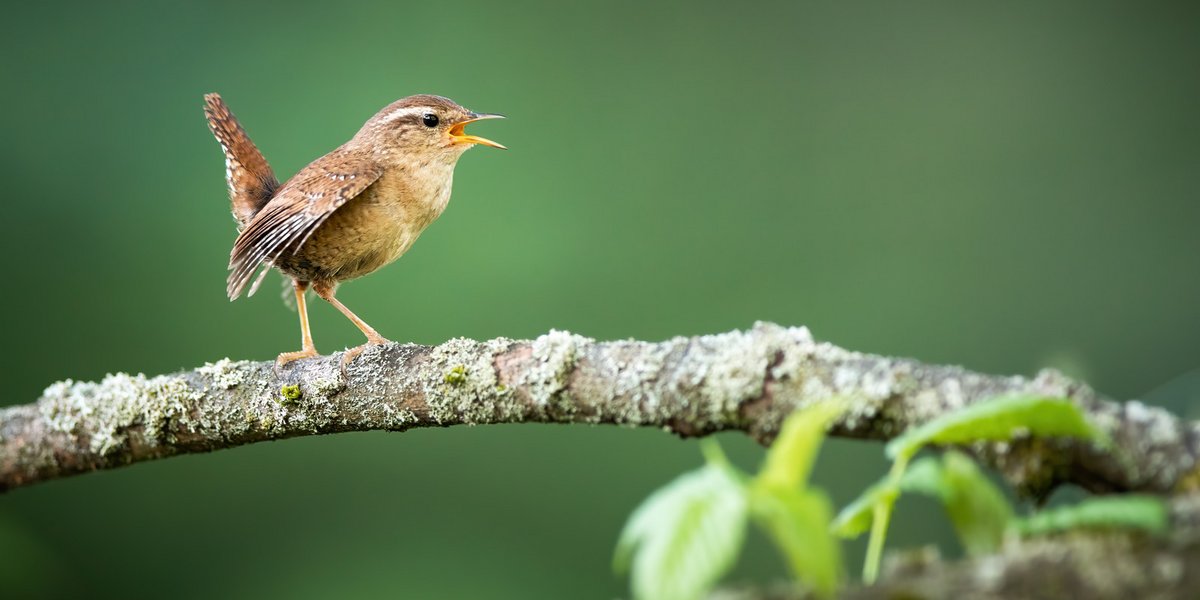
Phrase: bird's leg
x=309 y=350
x=326 y=291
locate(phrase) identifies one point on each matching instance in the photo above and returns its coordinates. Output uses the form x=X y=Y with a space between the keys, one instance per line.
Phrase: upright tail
x=251 y=181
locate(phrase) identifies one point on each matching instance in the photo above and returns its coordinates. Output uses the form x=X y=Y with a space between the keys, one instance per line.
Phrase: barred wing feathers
x=296 y=211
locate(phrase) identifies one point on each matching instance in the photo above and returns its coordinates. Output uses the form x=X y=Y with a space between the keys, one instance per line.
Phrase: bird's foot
x=352 y=353
x=288 y=357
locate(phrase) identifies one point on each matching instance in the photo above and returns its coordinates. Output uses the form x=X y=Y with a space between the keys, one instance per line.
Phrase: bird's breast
x=415 y=196
x=378 y=226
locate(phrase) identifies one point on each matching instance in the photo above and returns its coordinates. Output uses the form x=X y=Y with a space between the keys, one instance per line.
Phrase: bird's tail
x=251 y=180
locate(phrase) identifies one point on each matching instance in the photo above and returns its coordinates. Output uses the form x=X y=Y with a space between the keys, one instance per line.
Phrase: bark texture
x=742 y=380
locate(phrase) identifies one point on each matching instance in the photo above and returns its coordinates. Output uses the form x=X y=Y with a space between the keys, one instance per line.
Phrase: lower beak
x=458 y=136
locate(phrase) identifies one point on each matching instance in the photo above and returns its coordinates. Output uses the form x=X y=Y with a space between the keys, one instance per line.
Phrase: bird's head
x=425 y=126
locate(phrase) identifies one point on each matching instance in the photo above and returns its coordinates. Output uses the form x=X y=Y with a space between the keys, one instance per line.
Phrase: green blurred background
x=1003 y=187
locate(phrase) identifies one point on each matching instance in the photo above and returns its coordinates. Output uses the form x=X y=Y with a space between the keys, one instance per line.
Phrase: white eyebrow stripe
x=407 y=111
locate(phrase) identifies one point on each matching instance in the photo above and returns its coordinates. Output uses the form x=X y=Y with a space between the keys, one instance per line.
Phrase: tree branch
x=1097 y=565
x=747 y=381
x=1080 y=563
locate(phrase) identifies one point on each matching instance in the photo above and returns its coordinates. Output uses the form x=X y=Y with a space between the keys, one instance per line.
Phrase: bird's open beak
x=458 y=136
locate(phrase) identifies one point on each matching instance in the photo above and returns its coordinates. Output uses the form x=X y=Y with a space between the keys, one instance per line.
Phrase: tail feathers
x=250 y=178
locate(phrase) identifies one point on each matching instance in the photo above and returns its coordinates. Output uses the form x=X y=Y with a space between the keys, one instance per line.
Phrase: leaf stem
x=881 y=518
x=879 y=525
x=713 y=454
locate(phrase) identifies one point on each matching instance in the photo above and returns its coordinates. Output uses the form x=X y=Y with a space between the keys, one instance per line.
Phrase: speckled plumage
x=250 y=179
x=349 y=212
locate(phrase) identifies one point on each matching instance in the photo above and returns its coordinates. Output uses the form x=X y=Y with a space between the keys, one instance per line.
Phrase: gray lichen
x=635 y=372
x=552 y=361
x=745 y=380
x=461 y=385
x=101 y=415
x=225 y=374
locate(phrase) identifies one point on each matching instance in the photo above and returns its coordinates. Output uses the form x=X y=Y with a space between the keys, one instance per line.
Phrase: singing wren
x=347 y=213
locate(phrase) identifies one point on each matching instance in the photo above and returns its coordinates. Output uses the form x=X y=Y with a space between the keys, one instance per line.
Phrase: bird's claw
x=288 y=357
x=352 y=353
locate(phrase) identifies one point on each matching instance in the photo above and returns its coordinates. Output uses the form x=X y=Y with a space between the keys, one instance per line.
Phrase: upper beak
x=458 y=136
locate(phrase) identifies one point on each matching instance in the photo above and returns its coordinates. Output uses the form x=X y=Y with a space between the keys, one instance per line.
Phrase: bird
x=349 y=212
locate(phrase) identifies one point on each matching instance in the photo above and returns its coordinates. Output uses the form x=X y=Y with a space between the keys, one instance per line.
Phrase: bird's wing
x=296 y=211
x=250 y=178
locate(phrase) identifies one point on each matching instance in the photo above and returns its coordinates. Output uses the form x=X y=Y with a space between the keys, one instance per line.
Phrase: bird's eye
x=430 y=120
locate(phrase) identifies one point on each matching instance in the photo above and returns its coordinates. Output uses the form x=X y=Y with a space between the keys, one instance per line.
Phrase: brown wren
x=347 y=213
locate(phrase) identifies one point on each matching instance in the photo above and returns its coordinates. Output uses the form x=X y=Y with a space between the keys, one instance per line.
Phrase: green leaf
x=1131 y=511
x=795 y=449
x=976 y=513
x=685 y=536
x=855 y=519
x=978 y=509
x=873 y=510
x=798 y=522
x=714 y=456
x=924 y=476
x=1000 y=418
x=795 y=518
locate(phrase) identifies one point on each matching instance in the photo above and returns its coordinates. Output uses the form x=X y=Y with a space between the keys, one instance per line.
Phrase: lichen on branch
x=740 y=380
